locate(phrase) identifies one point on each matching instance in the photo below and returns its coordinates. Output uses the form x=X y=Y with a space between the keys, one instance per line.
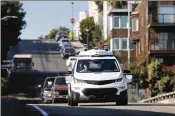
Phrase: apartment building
x=93 y=12
x=153 y=32
x=83 y=15
x=117 y=25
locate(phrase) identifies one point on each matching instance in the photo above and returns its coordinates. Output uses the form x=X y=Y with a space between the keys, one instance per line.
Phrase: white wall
x=93 y=11
x=83 y=15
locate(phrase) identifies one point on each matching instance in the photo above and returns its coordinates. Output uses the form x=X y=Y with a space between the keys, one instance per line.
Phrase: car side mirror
x=68 y=72
x=126 y=71
x=129 y=78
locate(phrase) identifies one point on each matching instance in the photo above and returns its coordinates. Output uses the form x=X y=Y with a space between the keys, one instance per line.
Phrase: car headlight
x=47 y=94
x=78 y=81
x=119 y=80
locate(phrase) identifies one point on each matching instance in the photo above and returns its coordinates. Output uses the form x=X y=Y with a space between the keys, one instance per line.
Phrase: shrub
x=4 y=86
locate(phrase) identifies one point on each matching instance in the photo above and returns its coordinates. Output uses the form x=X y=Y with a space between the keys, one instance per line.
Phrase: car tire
x=73 y=101
x=53 y=101
x=42 y=101
x=122 y=99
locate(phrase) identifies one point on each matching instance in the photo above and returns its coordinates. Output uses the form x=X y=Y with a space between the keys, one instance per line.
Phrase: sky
x=43 y=16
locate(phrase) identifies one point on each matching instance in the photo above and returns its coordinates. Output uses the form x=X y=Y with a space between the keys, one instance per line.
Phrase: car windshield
x=97 y=65
x=67 y=45
x=22 y=60
x=60 y=81
x=46 y=82
x=65 y=40
x=69 y=50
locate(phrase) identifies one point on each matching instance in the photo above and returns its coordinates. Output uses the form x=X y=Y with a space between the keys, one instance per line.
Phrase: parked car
x=66 y=52
x=46 y=90
x=59 y=89
x=63 y=41
x=54 y=88
x=67 y=45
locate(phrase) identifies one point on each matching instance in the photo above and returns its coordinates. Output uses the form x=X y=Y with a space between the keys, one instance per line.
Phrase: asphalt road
x=107 y=109
x=46 y=56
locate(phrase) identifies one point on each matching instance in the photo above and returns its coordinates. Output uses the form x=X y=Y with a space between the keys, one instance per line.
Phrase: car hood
x=98 y=76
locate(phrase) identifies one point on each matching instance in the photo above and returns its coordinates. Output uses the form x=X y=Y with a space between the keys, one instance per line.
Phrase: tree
x=52 y=34
x=99 y=5
x=11 y=28
x=63 y=29
x=41 y=37
x=94 y=31
x=117 y=4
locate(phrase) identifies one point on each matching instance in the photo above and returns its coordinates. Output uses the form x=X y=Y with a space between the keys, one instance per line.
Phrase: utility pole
x=128 y=45
x=72 y=23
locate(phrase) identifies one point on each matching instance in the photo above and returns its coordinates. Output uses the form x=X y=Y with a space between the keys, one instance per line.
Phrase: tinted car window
x=46 y=82
x=60 y=81
x=65 y=40
x=69 y=50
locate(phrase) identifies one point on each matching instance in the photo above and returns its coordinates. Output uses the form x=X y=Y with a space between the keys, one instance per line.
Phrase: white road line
x=39 y=109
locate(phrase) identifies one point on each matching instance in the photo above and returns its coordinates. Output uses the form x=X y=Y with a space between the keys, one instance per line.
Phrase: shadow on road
x=79 y=111
x=131 y=105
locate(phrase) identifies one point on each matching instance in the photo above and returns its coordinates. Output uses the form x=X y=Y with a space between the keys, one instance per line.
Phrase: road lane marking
x=39 y=109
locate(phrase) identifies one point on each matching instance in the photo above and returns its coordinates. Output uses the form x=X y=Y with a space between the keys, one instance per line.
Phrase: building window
x=120 y=22
x=124 y=44
x=166 y=14
x=160 y=60
x=124 y=21
x=121 y=44
x=115 y=44
x=116 y=22
x=135 y=24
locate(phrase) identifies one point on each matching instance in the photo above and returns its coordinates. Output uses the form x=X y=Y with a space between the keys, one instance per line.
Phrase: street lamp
x=87 y=41
x=72 y=23
x=9 y=17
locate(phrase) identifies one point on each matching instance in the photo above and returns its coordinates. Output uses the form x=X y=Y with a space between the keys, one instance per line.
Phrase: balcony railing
x=163 y=44
x=162 y=18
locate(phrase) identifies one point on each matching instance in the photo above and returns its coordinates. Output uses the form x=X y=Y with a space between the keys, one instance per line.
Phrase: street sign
x=72 y=20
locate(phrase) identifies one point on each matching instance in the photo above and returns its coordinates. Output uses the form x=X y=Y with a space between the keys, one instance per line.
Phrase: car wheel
x=122 y=99
x=42 y=101
x=73 y=101
x=53 y=100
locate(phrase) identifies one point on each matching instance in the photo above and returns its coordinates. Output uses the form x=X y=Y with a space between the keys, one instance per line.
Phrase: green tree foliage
x=162 y=81
x=94 y=33
x=100 y=5
x=117 y=4
x=53 y=33
x=4 y=86
x=41 y=37
x=63 y=29
x=11 y=28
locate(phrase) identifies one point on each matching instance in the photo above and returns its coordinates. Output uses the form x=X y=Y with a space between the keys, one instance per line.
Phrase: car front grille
x=63 y=92
x=100 y=92
x=99 y=82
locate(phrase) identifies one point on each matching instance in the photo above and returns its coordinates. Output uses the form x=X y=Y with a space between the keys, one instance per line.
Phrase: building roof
x=22 y=56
